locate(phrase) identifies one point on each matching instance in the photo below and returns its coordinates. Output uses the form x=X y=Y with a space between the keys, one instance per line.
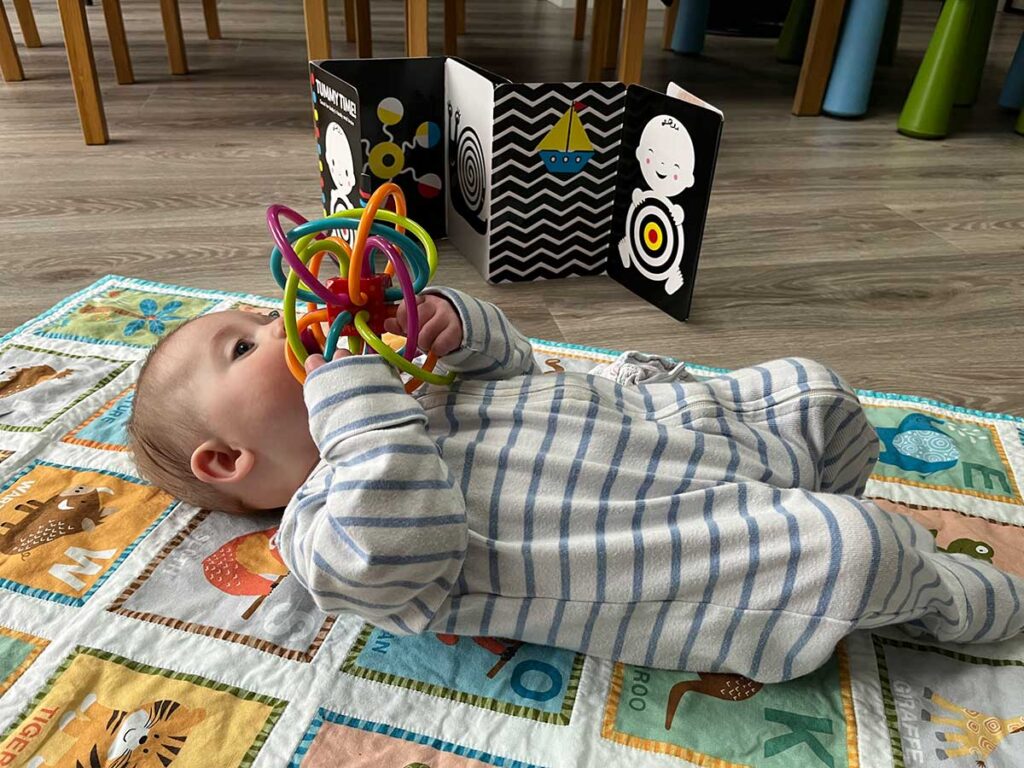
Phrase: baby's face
x=245 y=393
x=665 y=154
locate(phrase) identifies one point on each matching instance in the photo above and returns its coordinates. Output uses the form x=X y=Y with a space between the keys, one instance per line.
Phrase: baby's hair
x=162 y=434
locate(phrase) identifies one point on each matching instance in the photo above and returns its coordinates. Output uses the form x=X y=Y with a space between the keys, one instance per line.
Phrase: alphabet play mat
x=138 y=631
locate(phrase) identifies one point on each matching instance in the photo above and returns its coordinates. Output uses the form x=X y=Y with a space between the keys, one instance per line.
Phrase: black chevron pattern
x=546 y=225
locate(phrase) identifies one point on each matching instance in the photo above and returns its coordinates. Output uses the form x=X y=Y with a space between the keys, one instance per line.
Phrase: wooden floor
x=900 y=262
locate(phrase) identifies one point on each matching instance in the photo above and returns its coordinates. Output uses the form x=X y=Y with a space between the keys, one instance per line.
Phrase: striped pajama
x=705 y=526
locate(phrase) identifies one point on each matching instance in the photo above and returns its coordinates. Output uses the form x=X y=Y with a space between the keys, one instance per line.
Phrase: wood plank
x=817 y=65
x=318 y=32
x=634 y=28
x=118 y=42
x=171 y=16
x=27 y=22
x=82 y=66
x=10 y=63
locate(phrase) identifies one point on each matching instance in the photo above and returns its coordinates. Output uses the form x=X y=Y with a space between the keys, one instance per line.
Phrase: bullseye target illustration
x=655 y=242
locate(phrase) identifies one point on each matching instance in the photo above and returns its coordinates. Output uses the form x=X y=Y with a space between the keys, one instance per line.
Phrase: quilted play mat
x=136 y=631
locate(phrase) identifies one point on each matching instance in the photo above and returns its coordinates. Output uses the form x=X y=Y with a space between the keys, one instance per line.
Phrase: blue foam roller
x=849 y=86
x=691 y=24
x=1012 y=96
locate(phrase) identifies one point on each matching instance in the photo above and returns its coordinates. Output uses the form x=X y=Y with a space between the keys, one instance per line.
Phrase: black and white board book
x=528 y=180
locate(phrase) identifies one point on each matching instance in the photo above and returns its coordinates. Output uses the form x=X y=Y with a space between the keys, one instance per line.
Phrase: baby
x=705 y=526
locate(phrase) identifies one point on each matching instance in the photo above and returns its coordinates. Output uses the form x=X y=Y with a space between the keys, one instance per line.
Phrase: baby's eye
x=241 y=347
x=275 y=313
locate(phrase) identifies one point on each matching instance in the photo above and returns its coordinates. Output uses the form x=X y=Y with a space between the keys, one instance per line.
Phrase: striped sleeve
x=384 y=534
x=491 y=348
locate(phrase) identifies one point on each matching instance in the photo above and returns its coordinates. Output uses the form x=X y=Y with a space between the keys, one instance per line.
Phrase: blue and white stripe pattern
x=706 y=526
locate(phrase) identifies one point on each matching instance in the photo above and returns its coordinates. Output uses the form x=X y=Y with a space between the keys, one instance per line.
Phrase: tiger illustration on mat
x=151 y=736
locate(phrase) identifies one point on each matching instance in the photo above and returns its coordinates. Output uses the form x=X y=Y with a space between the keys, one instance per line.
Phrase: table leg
x=691 y=26
x=927 y=110
x=27 y=22
x=212 y=19
x=669 y=29
x=175 y=38
x=599 y=37
x=118 y=41
x=350 y=20
x=10 y=63
x=83 y=71
x=364 y=31
x=451 y=27
x=460 y=16
x=417 y=30
x=318 y=33
x=817 y=65
x=849 y=86
x=611 y=49
x=634 y=27
x=982 y=21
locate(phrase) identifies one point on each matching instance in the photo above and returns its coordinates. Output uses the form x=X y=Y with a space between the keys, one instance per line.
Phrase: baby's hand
x=315 y=361
x=440 y=326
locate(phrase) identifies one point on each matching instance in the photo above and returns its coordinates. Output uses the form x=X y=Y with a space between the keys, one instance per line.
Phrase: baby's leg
x=819 y=566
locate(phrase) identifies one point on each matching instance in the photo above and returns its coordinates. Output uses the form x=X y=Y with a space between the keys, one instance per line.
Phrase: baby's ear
x=215 y=463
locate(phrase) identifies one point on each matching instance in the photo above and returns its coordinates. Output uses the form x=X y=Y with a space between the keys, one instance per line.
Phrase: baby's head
x=218 y=420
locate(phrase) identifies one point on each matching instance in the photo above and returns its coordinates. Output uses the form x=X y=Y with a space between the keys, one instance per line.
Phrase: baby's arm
x=384 y=534
x=480 y=343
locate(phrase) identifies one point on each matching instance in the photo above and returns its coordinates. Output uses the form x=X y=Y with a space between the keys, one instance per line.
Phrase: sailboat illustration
x=566 y=148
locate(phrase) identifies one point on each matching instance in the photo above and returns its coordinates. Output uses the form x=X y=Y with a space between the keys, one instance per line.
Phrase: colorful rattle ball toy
x=356 y=303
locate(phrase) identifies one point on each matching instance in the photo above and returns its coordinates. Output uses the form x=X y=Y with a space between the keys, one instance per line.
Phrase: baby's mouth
x=661 y=175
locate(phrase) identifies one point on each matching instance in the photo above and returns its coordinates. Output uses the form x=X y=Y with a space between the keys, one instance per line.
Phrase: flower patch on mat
x=125 y=316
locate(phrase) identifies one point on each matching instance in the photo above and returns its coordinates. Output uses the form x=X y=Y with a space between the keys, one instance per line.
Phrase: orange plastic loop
x=355 y=268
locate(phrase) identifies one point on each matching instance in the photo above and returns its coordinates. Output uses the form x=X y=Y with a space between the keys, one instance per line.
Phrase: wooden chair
x=358 y=27
x=82 y=62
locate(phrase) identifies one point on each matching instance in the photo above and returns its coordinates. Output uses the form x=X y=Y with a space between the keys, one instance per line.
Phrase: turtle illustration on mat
x=918 y=445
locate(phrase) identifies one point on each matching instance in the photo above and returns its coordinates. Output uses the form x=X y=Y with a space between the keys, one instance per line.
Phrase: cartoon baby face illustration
x=339 y=159
x=665 y=154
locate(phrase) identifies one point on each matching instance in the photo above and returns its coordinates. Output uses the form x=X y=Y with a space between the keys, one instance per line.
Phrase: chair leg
x=599 y=37
x=350 y=20
x=27 y=22
x=611 y=50
x=670 y=25
x=318 y=33
x=10 y=63
x=417 y=37
x=926 y=112
x=175 y=38
x=793 y=39
x=212 y=19
x=1020 y=123
x=83 y=71
x=891 y=34
x=451 y=29
x=364 y=33
x=579 y=20
x=817 y=66
x=849 y=87
x=118 y=41
x=691 y=26
x=1012 y=95
x=460 y=16
x=634 y=27
x=982 y=21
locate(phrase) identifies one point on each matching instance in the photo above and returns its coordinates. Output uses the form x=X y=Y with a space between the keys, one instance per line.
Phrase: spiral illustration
x=471 y=169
